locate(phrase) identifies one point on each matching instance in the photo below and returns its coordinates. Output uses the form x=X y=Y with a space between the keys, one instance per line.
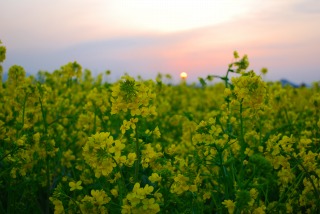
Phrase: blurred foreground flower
x=75 y=185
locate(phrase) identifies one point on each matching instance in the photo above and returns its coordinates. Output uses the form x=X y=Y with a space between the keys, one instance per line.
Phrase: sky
x=147 y=37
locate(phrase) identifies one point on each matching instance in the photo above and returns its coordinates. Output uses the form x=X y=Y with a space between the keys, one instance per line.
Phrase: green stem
x=47 y=157
x=74 y=201
x=10 y=153
x=23 y=111
x=224 y=174
x=241 y=125
x=122 y=189
x=137 y=163
x=315 y=190
x=260 y=132
x=285 y=194
x=10 y=201
x=1 y=205
x=95 y=119
x=226 y=79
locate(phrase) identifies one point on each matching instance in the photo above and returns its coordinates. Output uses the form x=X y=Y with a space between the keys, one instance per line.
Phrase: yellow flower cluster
x=141 y=200
x=149 y=156
x=250 y=90
x=103 y=153
x=134 y=96
x=95 y=203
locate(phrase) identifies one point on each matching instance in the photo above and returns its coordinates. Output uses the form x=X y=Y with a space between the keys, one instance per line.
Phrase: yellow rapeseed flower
x=230 y=205
x=114 y=192
x=75 y=185
x=154 y=178
x=156 y=132
x=58 y=206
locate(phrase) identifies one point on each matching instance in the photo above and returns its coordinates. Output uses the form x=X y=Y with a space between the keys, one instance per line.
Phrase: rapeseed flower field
x=71 y=143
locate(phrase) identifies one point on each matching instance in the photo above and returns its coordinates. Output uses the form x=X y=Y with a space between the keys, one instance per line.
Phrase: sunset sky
x=144 y=37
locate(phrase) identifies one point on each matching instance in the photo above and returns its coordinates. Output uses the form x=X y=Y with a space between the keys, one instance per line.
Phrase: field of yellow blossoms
x=73 y=143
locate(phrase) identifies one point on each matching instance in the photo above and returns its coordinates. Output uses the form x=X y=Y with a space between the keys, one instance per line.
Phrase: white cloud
x=173 y=16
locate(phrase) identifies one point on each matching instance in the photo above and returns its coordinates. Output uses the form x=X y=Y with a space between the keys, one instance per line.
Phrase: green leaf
x=202 y=82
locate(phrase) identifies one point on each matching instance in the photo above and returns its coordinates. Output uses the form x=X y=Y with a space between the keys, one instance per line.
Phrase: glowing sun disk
x=183 y=75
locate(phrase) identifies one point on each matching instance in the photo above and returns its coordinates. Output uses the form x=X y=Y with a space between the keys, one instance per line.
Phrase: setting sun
x=183 y=75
